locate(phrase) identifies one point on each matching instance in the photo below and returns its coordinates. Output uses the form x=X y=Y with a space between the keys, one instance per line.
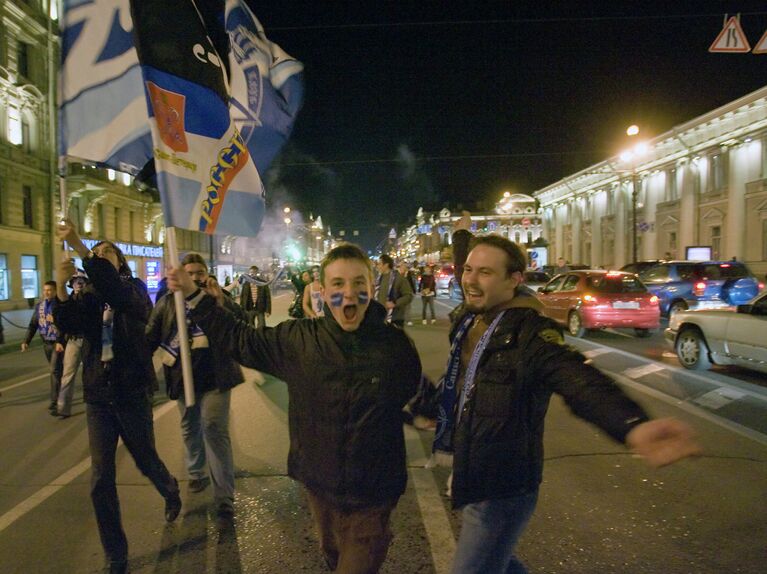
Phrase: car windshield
x=616 y=284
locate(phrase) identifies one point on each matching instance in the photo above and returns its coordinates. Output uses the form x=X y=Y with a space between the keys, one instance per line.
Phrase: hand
x=390 y=304
x=24 y=347
x=59 y=348
x=179 y=280
x=64 y=270
x=663 y=441
x=66 y=231
x=463 y=223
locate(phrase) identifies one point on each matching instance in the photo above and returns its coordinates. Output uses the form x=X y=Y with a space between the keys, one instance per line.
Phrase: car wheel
x=575 y=325
x=676 y=307
x=692 y=350
x=642 y=333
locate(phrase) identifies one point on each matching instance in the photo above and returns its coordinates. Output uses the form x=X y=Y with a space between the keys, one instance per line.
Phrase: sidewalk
x=14 y=325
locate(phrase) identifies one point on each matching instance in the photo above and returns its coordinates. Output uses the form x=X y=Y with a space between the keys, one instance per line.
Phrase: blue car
x=681 y=285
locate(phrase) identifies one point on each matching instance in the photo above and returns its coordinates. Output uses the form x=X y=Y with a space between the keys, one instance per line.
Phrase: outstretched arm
x=663 y=441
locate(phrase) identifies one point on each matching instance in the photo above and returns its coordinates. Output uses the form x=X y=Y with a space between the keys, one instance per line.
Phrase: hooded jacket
x=346 y=392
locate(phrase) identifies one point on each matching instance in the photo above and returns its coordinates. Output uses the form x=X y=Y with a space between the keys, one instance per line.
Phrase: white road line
x=60 y=482
x=643 y=370
x=439 y=533
x=22 y=383
x=590 y=354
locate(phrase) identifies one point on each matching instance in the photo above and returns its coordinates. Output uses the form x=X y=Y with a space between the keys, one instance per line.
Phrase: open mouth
x=350 y=312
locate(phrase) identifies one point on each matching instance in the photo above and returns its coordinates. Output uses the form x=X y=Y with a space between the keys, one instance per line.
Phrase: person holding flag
x=118 y=376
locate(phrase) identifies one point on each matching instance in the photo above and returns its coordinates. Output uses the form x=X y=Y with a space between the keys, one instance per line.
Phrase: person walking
x=392 y=291
x=117 y=378
x=312 y=302
x=205 y=425
x=506 y=360
x=42 y=321
x=427 y=287
x=72 y=352
x=348 y=374
x=255 y=297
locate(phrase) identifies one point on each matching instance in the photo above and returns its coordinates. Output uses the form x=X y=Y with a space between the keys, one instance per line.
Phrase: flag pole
x=183 y=335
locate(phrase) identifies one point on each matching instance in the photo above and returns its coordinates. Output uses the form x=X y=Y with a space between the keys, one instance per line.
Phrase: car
x=598 y=299
x=637 y=267
x=535 y=279
x=443 y=276
x=682 y=285
x=721 y=336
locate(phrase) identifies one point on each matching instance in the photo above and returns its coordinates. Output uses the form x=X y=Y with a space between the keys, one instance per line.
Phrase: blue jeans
x=133 y=423
x=489 y=534
x=205 y=429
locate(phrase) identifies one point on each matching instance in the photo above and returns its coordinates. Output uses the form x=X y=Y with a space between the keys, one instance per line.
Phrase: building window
x=716 y=241
x=672 y=242
x=27 y=205
x=26 y=138
x=609 y=195
x=4 y=277
x=717 y=176
x=29 y=287
x=14 y=127
x=672 y=192
x=22 y=59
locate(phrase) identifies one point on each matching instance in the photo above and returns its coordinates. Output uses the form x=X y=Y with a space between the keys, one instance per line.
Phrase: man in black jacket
x=349 y=375
x=205 y=425
x=255 y=297
x=117 y=378
x=506 y=361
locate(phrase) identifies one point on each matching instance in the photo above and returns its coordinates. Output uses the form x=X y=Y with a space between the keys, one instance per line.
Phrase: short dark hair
x=345 y=251
x=253 y=267
x=124 y=269
x=51 y=283
x=386 y=258
x=516 y=260
x=193 y=257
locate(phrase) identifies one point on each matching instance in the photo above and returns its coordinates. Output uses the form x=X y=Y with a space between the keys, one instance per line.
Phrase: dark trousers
x=257 y=318
x=133 y=423
x=352 y=541
x=56 y=364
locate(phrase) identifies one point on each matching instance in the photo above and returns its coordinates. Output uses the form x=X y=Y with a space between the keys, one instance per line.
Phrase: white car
x=722 y=337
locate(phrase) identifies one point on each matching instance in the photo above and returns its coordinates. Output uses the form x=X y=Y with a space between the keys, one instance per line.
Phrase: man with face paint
x=349 y=374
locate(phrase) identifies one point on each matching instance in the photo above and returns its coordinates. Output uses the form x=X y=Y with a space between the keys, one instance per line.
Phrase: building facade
x=702 y=183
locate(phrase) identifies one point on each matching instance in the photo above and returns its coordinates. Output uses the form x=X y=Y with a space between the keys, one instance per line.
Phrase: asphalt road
x=600 y=509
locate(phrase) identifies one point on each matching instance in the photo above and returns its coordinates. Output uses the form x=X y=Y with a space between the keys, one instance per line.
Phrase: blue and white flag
x=103 y=114
x=209 y=129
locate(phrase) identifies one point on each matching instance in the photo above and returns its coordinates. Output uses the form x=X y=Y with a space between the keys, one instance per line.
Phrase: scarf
x=448 y=416
x=107 y=319
x=45 y=324
x=170 y=348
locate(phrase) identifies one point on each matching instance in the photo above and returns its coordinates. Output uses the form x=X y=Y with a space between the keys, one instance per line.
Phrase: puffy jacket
x=346 y=392
x=499 y=439
x=129 y=376
x=223 y=372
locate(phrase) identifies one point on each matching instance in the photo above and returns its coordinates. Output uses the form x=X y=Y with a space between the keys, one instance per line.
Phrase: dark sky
x=440 y=103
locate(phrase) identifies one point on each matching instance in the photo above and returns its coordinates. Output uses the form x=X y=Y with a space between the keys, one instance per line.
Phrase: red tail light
x=699 y=288
x=654 y=300
x=761 y=286
x=590 y=300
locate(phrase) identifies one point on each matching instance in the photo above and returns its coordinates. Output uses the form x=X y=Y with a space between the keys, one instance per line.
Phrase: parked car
x=721 y=336
x=597 y=299
x=637 y=267
x=682 y=285
x=443 y=276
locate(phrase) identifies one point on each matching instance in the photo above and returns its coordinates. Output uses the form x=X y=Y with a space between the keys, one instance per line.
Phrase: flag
x=103 y=114
x=218 y=102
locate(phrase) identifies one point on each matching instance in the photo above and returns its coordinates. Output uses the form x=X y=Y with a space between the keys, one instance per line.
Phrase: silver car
x=722 y=337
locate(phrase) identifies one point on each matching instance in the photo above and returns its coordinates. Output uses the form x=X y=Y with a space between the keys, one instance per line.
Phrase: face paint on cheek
x=337 y=299
x=363 y=297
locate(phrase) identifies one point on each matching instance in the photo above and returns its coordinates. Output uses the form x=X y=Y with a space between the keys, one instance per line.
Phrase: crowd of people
x=350 y=369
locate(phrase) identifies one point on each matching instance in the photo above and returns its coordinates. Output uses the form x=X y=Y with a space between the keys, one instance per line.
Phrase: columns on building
x=622 y=211
x=735 y=239
x=576 y=218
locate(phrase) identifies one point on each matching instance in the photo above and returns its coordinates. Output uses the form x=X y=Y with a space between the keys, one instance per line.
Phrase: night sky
x=438 y=104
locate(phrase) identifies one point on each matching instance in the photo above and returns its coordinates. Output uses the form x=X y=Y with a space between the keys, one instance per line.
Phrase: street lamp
x=630 y=156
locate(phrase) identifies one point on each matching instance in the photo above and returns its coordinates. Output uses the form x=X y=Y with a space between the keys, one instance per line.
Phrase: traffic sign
x=761 y=45
x=731 y=39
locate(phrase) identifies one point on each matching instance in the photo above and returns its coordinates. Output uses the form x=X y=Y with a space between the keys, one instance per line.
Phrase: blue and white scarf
x=48 y=330
x=171 y=347
x=448 y=416
x=107 y=319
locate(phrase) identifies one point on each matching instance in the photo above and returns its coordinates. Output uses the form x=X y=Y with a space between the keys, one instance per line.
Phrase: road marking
x=718 y=398
x=439 y=533
x=642 y=371
x=60 y=482
x=591 y=353
x=22 y=383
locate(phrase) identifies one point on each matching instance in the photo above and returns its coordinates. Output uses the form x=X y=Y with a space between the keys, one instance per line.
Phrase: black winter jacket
x=129 y=376
x=223 y=372
x=346 y=392
x=499 y=439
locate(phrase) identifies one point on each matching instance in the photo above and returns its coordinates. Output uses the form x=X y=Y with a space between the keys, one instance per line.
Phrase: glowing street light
x=632 y=130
